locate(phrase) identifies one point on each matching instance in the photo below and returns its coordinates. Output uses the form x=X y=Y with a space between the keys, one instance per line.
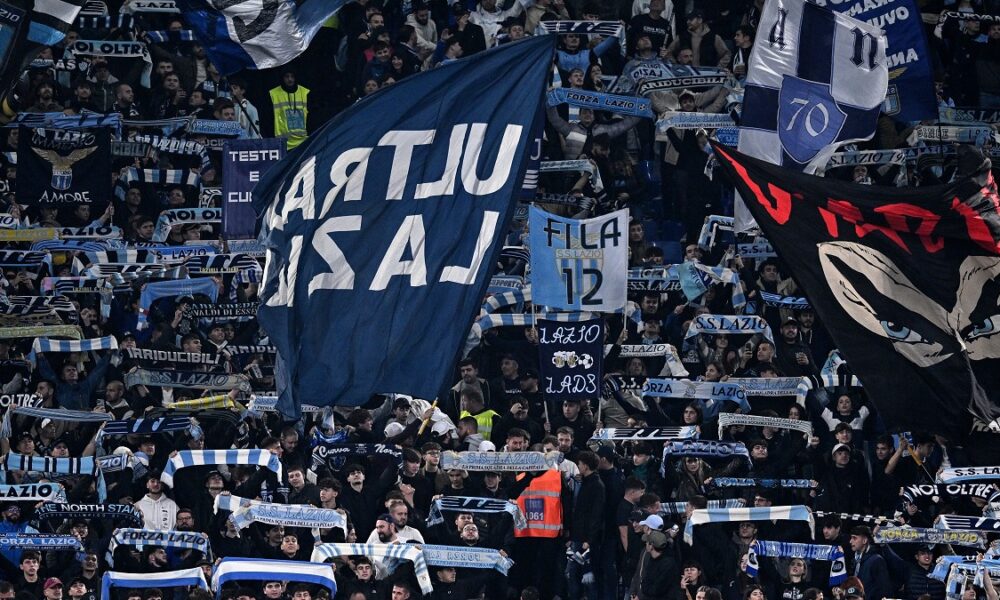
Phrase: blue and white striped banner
x=380 y=552
x=164 y=579
x=86 y=465
x=757 y=513
x=195 y=458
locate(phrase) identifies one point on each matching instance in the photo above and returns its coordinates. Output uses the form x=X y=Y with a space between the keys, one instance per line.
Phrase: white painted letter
x=341 y=275
x=467 y=275
x=411 y=233
x=404 y=141
x=501 y=166
x=446 y=185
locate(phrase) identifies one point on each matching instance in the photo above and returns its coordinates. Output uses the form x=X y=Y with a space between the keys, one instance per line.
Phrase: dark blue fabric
x=341 y=338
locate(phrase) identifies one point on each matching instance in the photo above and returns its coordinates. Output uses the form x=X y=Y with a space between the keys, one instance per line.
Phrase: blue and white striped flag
x=195 y=458
x=250 y=36
x=253 y=569
x=816 y=79
x=380 y=552
x=756 y=513
x=183 y=577
x=47 y=345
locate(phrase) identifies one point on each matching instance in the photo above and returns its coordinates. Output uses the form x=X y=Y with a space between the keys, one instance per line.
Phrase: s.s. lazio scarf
x=756 y=482
x=126 y=514
x=380 y=552
x=185 y=540
x=757 y=513
x=730 y=419
x=692 y=120
x=658 y=279
x=774 y=387
x=244 y=512
x=623 y=105
x=86 y=465
x=192 y=380
x=957 y=474
x=645 y=433
x=196 y=458
x=730 y=324
x=708 y=449
x=916 y=535
x=473 y=504
x=835 y=554
x=113 y=463
x=34 y=492
x=500 y=461
x=466 y=557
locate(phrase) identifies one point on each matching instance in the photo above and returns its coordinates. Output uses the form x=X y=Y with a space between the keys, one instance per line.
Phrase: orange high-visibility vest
x=540 y=503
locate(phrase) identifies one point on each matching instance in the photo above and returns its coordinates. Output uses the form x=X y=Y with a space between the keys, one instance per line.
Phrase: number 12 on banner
x=579 y=264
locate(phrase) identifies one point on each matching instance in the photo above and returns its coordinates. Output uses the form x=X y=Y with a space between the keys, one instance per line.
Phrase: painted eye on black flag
x=876 y=294
x=976 y=315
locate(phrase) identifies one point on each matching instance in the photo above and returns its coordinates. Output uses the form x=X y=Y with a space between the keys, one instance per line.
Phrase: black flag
x=905 y=279
x=64 y=167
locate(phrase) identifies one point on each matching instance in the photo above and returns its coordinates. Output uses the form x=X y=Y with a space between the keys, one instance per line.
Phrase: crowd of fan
x=613 y=495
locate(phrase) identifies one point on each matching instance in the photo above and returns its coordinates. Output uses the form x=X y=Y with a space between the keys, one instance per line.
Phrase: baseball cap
x=52 y=582
x=653 y=522
x=529 y=374
x=656 y=539
x=696 y=13
x=840 y=447
x=789 y=321
x=385 y=517
x=606 y=452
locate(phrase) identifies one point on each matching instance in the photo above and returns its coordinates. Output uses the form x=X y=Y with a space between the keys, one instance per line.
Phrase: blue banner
x=570 y=357
x=911 y=90
x=578 y=264
x=383 y=227
x=243 y=164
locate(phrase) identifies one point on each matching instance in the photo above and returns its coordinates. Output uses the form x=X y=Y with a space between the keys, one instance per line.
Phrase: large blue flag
x=256 y=35
x=383 y=228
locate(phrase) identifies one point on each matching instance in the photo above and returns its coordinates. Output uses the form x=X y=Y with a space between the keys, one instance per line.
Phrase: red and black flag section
x=905 y=279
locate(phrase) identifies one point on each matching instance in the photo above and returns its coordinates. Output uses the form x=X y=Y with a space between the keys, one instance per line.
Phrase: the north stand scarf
x=834 y=554
x=34 y=492
x=195 y=458
x=473 y=504
x=645 y=433
x=184 y=540
x=958 y=474
x=181 y=578
x=147 y=426
x=125 y=514
x=380 y=552
x=500 y=461
x=917 y=535
x=707 y=449
x=758 y=513
x=730 y=419
x=150 y=355
x=192 y=380
x=244 y=512
x=86 y=465
x=756 y=482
